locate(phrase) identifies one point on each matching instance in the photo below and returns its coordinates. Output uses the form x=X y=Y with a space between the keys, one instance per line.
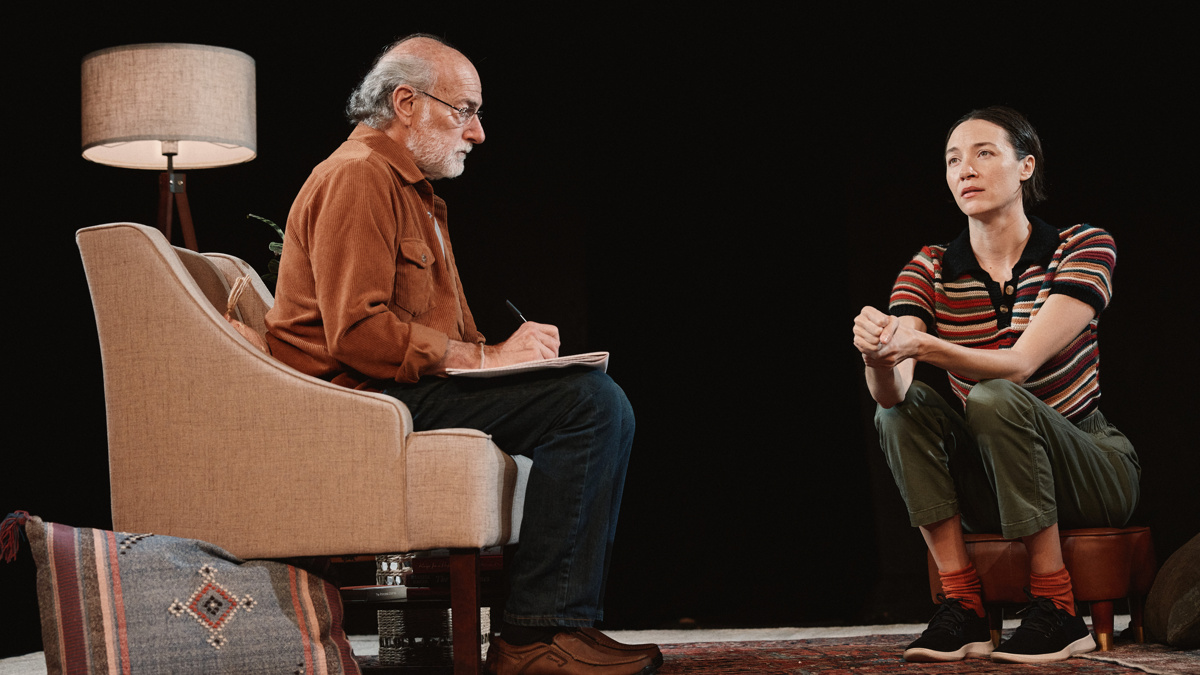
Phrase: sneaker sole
x=921 y=655
x=1083 y=645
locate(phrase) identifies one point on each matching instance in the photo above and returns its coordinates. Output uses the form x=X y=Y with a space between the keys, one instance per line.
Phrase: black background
x=711 y=195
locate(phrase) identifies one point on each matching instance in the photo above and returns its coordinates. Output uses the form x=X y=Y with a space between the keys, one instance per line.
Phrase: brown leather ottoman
x=1105 y=563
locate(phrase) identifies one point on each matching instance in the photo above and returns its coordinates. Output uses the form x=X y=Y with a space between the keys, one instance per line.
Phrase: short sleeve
x=1083 y=266
x=913 y=292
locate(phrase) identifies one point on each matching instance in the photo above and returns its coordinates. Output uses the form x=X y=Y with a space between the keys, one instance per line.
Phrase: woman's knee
x=991 y=398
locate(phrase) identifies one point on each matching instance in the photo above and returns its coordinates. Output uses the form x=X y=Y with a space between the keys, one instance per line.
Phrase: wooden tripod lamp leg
x=172 y=194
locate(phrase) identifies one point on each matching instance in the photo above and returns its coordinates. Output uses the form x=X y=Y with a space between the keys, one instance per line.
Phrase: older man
x=369 y=297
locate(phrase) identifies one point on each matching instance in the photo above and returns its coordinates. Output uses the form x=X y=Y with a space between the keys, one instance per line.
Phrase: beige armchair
x=211 y=439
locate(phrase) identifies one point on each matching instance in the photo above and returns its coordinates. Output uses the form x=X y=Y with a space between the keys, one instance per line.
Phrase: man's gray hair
x=371 y=102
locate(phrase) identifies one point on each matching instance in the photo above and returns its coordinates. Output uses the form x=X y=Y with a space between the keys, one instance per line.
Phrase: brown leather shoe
x=603 y=641
x=567 y=654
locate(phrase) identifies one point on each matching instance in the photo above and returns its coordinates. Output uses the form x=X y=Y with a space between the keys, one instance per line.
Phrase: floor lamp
x=166 y=107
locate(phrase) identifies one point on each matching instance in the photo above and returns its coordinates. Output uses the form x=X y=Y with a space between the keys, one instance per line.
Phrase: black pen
x=516 y=312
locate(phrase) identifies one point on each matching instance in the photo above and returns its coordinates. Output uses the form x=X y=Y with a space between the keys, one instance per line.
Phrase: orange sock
x=964 y=584
x=1056 y=586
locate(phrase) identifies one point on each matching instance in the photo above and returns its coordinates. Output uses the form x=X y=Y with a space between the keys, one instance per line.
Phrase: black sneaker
x=1047 y=633
x=954 y=633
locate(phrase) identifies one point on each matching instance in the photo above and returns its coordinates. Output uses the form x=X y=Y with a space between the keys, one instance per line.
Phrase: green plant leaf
x=268 y=221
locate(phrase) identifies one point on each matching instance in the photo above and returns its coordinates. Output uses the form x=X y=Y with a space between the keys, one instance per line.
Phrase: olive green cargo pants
x=1012 y=464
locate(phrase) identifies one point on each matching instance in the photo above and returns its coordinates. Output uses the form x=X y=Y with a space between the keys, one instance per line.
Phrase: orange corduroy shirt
x=367 y=294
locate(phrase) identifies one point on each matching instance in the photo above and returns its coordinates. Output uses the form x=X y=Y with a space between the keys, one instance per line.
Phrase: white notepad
x=593 y=360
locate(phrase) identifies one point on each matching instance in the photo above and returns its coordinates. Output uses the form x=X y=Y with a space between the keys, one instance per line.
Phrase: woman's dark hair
x=1024 y=139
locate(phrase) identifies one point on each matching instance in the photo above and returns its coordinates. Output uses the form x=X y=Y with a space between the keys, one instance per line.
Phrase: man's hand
x=531 y=342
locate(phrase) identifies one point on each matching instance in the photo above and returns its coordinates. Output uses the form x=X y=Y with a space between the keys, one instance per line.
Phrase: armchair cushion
x=145 y=603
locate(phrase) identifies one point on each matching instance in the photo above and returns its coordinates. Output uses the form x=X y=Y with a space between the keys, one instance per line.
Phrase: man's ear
x=404 y=100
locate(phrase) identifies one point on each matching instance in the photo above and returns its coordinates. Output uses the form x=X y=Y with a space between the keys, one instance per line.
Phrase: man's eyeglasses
x=462 y=115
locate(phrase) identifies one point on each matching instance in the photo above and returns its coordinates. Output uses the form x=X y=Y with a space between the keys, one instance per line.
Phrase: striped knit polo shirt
x=945 y=287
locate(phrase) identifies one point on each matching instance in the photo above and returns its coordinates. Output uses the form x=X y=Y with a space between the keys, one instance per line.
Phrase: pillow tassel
x=11 y=534
x=239 y=287
x=235 y=294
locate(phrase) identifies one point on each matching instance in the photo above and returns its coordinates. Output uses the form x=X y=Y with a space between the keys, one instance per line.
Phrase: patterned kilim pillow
x=113 y=602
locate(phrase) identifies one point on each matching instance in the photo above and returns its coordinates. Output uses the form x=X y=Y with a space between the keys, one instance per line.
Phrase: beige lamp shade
x=197 y=99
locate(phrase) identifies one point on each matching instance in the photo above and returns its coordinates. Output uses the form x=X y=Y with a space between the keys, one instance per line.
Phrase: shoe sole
x=922 y=655
x=647 y=670
x=1081 y=646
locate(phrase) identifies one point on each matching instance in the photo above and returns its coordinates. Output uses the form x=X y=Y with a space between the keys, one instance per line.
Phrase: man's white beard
x=434 y=156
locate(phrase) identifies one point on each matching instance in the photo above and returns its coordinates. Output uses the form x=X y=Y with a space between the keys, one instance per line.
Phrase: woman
x=1010 y=310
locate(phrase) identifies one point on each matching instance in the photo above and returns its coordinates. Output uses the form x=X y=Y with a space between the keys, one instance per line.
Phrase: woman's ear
x=1027 y=167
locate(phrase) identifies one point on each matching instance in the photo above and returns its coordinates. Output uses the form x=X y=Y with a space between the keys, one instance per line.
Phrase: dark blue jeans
x=577 y=427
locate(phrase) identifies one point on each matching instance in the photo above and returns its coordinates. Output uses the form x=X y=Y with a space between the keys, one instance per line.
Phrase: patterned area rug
x=1152 y=658
x=864 y=655
x=882 y=654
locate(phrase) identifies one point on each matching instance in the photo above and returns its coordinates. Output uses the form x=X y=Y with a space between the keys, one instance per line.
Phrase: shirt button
x=1009 y=289
x=422 y=257
x=1003 y=309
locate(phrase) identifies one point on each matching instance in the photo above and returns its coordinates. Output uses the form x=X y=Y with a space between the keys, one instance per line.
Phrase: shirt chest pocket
x=414 y=277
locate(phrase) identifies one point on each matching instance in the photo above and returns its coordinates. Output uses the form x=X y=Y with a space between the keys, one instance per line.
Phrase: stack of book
x=423 y=576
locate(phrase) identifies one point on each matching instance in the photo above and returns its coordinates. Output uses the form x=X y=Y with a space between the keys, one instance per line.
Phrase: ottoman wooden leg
x=1102 y=623
x=995 y=614
x=1137 y=606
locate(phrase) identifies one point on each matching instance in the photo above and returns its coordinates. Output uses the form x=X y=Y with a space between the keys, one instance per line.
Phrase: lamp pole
x=172 y=193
